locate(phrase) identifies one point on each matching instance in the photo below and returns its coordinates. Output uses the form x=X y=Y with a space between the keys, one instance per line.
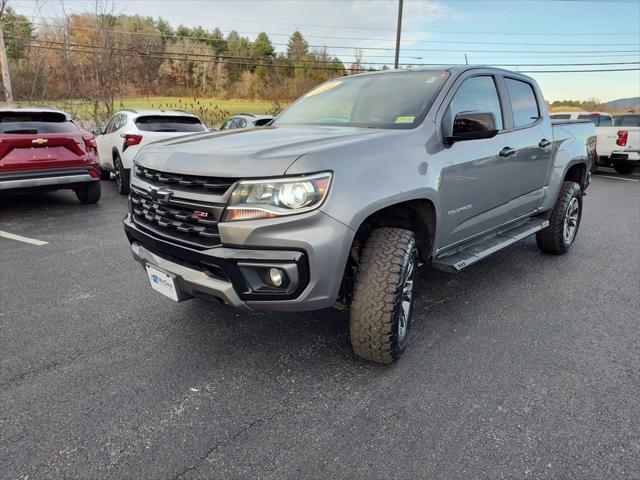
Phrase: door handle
x=544 y=143
x=507 y=152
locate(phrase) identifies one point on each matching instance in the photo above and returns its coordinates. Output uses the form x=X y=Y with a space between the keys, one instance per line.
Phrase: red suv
x=43 y=149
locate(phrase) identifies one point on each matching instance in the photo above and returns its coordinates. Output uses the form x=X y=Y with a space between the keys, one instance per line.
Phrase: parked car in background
x=246 y=120
x=599 y=119
x=44 y=149
x=619 y=146
x=128 y=130
x=352 y=188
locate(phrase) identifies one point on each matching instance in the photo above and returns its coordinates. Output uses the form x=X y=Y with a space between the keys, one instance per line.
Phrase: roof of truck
x=454 y=69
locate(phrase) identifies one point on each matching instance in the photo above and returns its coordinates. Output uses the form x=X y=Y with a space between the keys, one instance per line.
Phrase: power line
x=337 y=70
x=182 y=55
x=361 y=27
x=224 y=41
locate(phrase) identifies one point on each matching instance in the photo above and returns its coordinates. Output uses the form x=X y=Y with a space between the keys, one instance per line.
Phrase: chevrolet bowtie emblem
x=39 y=141
x=159 y=194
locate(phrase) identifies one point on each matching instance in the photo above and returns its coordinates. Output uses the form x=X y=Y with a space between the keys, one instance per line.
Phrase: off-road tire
x=122 y=177
x=105 y=174
x=378 y=293
x=623 y=168
x=89 y=193
x=551 y=239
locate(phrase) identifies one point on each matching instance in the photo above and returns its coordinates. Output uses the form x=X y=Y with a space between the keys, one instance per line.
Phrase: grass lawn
x=212 y=111
x=186 y=103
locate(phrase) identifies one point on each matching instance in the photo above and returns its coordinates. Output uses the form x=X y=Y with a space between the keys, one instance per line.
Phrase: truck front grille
x=194 y=225
x=214 y=185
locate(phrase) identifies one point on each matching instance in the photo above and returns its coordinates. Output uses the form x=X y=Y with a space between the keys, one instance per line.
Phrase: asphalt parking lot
x=525 y=365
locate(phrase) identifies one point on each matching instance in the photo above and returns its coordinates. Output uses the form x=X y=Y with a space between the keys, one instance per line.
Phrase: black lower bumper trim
x=223 y=262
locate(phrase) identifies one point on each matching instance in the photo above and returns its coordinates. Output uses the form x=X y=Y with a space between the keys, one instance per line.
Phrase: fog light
x=275 y=276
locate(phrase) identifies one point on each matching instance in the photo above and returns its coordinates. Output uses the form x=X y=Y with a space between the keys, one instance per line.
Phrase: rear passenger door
x=530 y=136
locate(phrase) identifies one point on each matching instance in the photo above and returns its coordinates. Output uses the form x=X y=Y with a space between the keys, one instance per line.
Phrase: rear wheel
x=623 y=168
x=380 y=317
x=564 y=221
x=89 y=193
x=122 y=177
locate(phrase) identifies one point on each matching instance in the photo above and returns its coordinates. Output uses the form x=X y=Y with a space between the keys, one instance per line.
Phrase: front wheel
x=623 y=168
x=564 y=221
x=380 y=317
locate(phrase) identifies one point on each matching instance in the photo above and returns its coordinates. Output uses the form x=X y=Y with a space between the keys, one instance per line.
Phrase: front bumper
x=49 y=179
x=312 y=249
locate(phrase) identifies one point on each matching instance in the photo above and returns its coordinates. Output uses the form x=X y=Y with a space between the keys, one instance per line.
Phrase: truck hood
x=259 y=152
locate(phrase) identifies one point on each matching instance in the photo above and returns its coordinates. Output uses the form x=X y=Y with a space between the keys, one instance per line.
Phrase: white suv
x=128 y=130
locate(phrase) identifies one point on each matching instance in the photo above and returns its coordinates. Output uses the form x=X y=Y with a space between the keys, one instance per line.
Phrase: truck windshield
x=387 y=100
x=35 y=122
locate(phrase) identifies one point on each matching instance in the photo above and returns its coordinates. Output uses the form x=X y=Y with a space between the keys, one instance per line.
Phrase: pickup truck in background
x=619 y=146
x=42 y=149
x=352 y=187
x=599 y=119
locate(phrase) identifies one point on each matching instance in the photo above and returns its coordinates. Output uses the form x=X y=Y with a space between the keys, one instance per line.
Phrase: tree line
x=99 y=58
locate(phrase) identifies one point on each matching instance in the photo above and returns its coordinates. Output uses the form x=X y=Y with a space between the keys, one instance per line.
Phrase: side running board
x=478 y=250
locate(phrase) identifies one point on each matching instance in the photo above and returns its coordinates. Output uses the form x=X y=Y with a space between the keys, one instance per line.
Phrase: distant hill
x=624 y=104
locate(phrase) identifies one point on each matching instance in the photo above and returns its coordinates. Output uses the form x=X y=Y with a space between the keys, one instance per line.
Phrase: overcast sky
x=499 y=32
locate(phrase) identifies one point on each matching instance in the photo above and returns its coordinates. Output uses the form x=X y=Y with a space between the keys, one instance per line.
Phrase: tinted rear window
x=35 y=122
x=560 y=116
x=169 y=124
x=627 y=121
x=523 y=102
x=598 y=120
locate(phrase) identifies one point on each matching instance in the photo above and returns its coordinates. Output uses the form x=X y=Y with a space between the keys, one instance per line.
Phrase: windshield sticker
x=405 y=119
x=323 y=88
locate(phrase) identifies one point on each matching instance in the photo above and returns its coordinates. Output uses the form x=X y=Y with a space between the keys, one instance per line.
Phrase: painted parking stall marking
x=20 y=238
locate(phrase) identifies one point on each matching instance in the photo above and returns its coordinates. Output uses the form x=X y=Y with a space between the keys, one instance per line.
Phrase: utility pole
x=4 y=64
x=398 y=34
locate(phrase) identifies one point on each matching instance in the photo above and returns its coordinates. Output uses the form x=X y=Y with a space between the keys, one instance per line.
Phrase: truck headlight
x=270 y=198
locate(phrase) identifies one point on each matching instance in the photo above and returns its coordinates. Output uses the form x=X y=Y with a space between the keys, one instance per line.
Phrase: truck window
x=35 y=122
x=166 y=123
x=627 y=121
x=598 y=120
x=475 y=94
x=523 y=102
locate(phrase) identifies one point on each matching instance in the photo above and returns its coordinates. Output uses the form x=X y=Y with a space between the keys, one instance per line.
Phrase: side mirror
x=96 y=131
x=473 y=126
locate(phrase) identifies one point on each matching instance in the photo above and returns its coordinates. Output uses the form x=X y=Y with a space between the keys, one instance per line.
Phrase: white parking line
x=619 y=178
x=20 y=238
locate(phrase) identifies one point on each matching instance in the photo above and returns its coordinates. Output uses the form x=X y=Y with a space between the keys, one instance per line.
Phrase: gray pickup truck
x=351 y=188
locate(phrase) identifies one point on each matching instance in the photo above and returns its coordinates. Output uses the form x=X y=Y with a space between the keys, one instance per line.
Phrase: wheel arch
x=416 y=214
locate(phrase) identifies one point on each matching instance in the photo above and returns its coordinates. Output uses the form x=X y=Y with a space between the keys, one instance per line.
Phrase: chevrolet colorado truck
x=352 y=187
